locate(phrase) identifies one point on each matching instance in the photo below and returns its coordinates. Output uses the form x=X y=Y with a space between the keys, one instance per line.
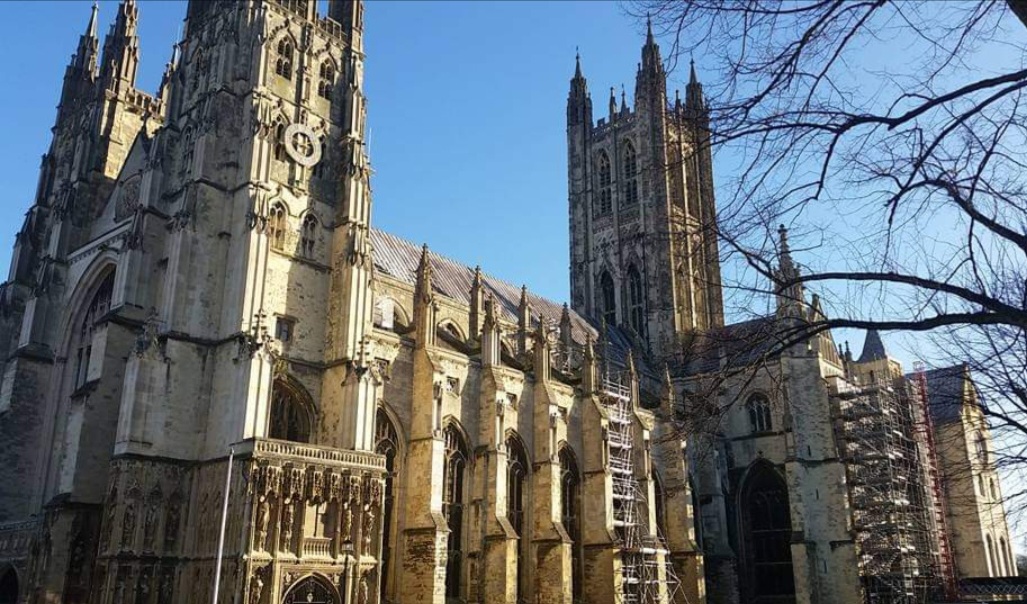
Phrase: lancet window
x=758 y=407
x=283 y=62
x=387 y=444
x=99 y=305
x=570 y=494
x=630 y=179
x=636 y=303
x=308 y=235
x=516 y=480
x=326 y=80
x=276 y=222
x=453 y=476
x=604 y=201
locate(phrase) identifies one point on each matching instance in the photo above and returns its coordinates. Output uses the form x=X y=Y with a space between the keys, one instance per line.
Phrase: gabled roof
x=399 y=258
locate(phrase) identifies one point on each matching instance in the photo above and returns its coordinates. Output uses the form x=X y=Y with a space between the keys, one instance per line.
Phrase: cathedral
x=220 y=382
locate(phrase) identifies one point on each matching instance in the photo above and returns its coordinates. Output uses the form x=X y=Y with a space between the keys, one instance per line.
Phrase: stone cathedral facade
x=201 y=322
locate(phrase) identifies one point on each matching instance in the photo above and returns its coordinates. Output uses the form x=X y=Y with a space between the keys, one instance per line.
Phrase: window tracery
x=516 y=479
x=636 y=304
x=291 y=417
x=453 y=472
x=99 y=305
x=607 y=298
x=283 y=62
x=276 y=223
x=758 y=407
x=604 y=201
x=630 y=175
x=570 y=494
x=326 y=80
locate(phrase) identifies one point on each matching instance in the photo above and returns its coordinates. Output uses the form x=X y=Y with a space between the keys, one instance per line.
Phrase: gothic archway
x=9 y=587
x=292 y=413
x=387 y=444
x=766 y=536
x=311 y=590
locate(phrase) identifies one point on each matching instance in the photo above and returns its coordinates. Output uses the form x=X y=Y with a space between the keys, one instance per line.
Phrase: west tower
x=642 y=213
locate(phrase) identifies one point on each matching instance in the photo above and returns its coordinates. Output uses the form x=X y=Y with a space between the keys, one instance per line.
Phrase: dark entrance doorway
x=766 y=537
x=8 y=587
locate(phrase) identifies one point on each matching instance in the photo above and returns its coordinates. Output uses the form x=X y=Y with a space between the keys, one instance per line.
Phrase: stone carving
x=370 y=513
x=263 y=514
x=288 y=509
x=171 y=527
x=167 y=582
x=257 y=586
x=128 y=525
x=362 y=592
x=128 y=199
x=302 y=145
x=150 y=523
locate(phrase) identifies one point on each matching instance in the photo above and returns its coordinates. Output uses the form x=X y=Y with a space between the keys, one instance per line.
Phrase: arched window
x=99 y=305
x=283 y=62
x=276 y=223
x=630 y=179
x=604 y=202
x=993 y=489
x=308 y=236
x=766 y=535
x=326 y=80
x=981 y=448
x=291 y=415
x=570 y=493
x=758 y=407
x=516 y=481
x=1007 y=568
x=659 y=497
x=607 y=298
x=453 y=474
x=992 y=560
x=636 y=305
x=387 y=444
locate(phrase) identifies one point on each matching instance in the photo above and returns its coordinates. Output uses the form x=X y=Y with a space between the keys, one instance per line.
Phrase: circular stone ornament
x=302 y=145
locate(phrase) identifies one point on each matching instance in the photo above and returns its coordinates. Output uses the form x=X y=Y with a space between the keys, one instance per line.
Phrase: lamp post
x=347 y=551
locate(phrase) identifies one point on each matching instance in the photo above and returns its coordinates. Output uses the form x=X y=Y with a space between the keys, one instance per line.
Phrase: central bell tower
x=643 y=244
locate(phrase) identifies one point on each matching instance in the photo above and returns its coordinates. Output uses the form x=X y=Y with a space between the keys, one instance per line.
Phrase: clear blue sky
x=466 y=115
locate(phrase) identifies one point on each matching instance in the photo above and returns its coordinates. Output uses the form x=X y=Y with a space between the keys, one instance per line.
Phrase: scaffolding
x=648 y=575
x=893 y=508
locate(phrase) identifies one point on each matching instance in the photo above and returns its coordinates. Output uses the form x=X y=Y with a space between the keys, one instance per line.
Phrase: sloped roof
x=945 y=392
x=735 y=345
x=399 y=258
x=873 y=348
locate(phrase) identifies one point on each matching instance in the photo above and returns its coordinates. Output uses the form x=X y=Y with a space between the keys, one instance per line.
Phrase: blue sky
x=466 y=115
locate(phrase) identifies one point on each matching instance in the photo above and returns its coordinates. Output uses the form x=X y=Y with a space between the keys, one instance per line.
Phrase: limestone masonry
x=198 y=277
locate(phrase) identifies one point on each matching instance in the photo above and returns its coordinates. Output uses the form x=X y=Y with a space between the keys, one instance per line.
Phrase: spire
x=424 y=303
x=784 y=251
x=579 y=106
x=121 y=48
x=623 y=100
x=873 y=348
x=85 y=55
x=424 y=276
x=695 y=104
x=791 y=295
x=651 y=81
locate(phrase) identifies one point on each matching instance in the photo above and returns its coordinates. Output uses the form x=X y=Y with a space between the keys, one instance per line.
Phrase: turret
x=424 y=302
x=579 y=102
x=651 y=81
x=349 y=14
x=81 y=70
x=121 y=50
x=790 y=294
x=695 y=104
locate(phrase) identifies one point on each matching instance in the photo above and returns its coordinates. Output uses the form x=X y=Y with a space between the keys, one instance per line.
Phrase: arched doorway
x=9 y=587
x=311 y=590
x=766 y=536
